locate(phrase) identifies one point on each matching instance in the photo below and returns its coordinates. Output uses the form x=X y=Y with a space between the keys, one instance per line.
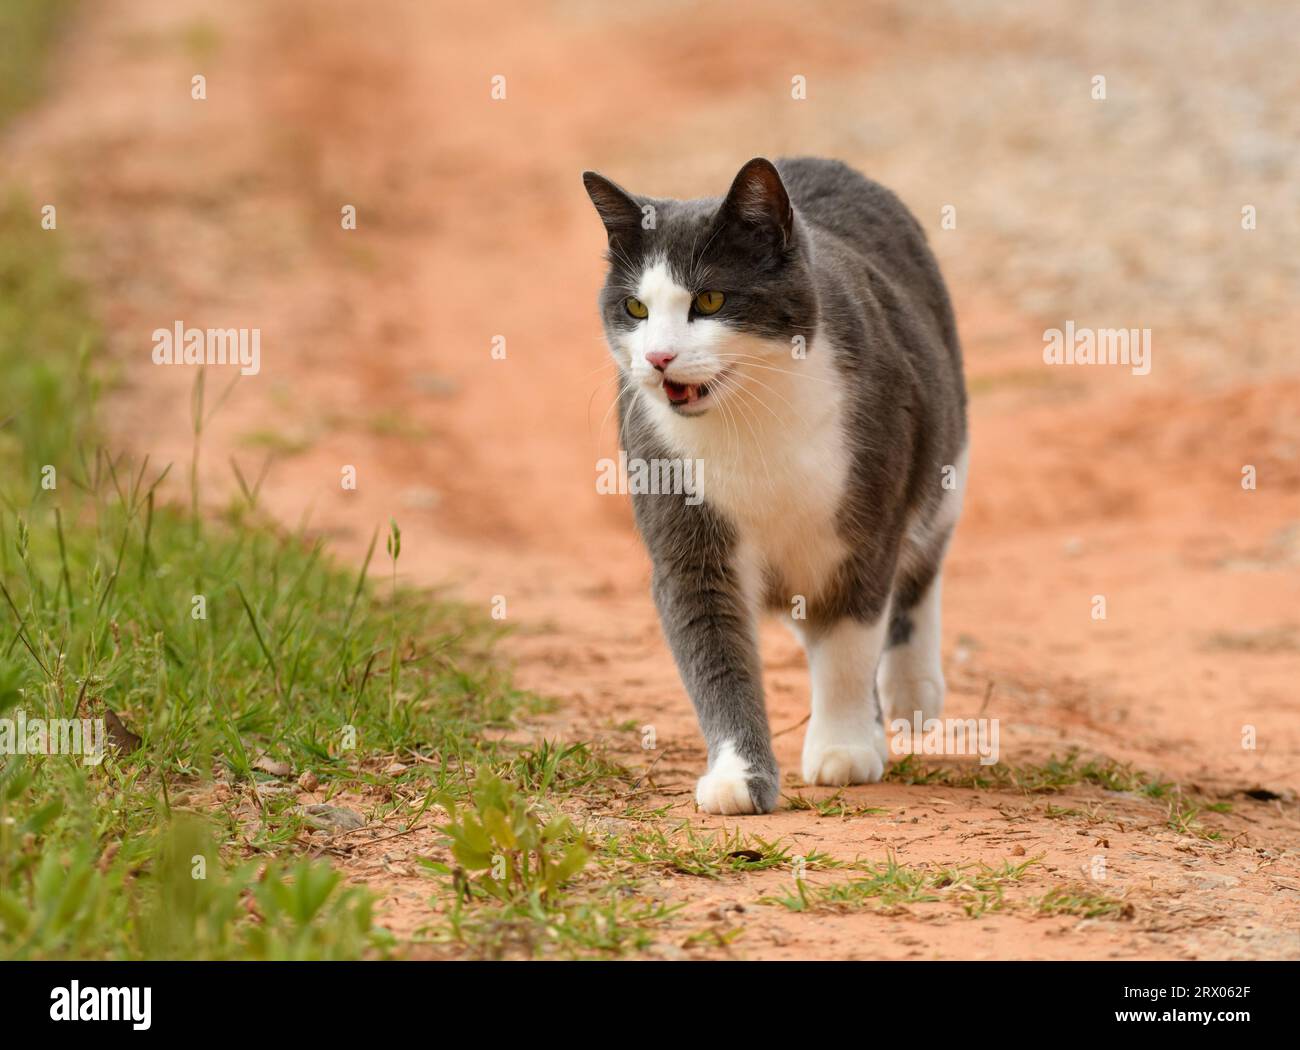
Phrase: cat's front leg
x=710 y=622
x=845 y=741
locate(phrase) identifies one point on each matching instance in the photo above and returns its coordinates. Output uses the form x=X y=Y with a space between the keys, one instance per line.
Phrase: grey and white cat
x=796 y=337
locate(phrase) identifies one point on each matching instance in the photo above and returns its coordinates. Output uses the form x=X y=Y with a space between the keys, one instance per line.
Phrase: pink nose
x=660 y=358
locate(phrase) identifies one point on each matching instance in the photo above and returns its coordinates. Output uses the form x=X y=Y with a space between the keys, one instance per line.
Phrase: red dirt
x=472 y=224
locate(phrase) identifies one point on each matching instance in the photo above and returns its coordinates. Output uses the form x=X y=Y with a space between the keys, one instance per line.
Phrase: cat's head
x=703 y=295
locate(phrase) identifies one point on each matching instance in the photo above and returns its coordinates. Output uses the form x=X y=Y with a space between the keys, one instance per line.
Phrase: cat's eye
x=636 y=308
x=709 y=302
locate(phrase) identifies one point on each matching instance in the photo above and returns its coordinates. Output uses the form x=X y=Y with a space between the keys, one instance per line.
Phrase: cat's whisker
x=601 y=383
x=758 y=444
x=757 y=362
x=602 y=418
x=613 y=403
x=607 y=363
x=600 y=431
x=754 y=379
x=738 y=389
x=696 y=260
x=694 y=241
x=622 y=257
x=737 y=409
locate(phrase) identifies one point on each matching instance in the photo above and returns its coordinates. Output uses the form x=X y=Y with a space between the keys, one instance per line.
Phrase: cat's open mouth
x=689 y=398
x=684 y=393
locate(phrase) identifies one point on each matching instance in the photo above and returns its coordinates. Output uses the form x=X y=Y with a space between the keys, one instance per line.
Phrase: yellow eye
x=709 y=302
x=636 y=308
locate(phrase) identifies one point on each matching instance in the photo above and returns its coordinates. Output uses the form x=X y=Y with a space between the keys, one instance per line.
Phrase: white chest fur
x=775 y=464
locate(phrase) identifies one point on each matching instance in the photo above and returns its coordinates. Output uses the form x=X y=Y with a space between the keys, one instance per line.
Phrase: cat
x=796 y=337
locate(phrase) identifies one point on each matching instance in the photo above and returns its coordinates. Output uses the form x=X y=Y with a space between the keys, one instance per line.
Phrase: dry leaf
x=118 y=735
x=334 y=819
x=274 y=766
x=106 y=858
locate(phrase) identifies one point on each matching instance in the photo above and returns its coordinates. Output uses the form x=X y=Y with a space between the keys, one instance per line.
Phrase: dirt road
x=472 y=227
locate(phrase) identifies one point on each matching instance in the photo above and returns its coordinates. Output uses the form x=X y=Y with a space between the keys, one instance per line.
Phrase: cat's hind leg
x=910 y=678
x=845 y=742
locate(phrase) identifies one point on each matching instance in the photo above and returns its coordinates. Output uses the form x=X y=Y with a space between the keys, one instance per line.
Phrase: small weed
x=834 y=806
x=976 y=888
x=519 y=855
x=704 y=854
x=1184 y=817
x=1083 y=902
x=1054 y=775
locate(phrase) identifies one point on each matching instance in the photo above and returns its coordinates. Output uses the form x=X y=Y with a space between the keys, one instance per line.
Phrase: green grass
x=1056 y=774
x=241 y=656
x=1084 y=902
x=519 y=855
x=520 y=883
x=1184 y=817
x=684 y=850
x=239 y=661
x=834 y=806
x=27 y=29
x=1060 y=773
x=46 y=341
x=293 y=660
x=977 y=889
x=601 y=922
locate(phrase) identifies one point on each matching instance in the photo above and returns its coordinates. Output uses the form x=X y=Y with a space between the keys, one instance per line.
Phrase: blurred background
x=1120 y=211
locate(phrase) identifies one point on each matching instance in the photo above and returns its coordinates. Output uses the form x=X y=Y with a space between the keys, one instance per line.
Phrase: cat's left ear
x=617 y=208
x=758 y=199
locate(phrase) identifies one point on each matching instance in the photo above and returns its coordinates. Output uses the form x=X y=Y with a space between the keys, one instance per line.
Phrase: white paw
x=837 y=766
x=724 y=793
x=839 y=758
x=724 y=789
x=902 y=696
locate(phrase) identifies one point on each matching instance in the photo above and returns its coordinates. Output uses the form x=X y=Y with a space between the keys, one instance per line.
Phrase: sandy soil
x=473 y=224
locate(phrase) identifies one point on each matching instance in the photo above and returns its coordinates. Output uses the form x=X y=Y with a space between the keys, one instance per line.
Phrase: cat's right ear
x=617 y=208
x=758 y=200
